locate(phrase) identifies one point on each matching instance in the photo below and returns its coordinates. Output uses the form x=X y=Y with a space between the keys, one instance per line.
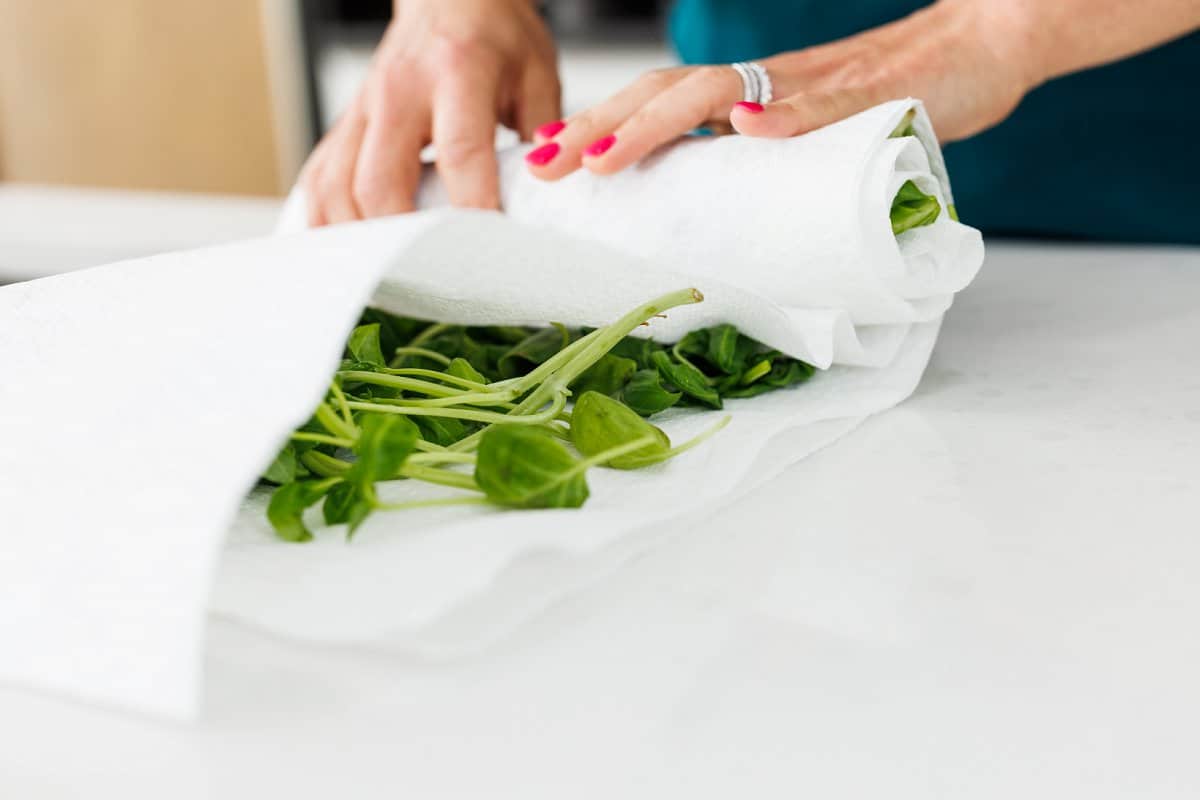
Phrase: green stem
x=399 y=382
x=531 y=379
x=430 y=332
x=432 y=355
x=445 y=377
x=557 y=403
x=324 y=465
x=611 y=453
x=441 y=458
x=340 y=396
x=607 y=339
x=475 y=399
x=754 y=373
x=698 y=439
x=448 y=501
x=442 y=477
x=335 y=424
x=321 y=438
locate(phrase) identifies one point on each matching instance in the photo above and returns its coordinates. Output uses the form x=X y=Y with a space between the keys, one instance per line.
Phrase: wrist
x=1019 y=34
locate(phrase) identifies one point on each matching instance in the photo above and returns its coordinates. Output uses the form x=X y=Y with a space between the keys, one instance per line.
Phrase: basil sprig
x=484 y=410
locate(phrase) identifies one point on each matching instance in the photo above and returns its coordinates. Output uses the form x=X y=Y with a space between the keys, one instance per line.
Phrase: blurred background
x=228 y=96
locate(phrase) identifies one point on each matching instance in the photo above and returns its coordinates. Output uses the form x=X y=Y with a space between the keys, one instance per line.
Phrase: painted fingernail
x=600 y=146
x=541 y=156
x=551 y=129
x=746 y=105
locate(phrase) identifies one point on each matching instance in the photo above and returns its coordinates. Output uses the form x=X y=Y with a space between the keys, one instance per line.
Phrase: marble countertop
x=988 y=592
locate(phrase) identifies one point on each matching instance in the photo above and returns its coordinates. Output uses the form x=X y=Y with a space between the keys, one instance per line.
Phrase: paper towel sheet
x=137 y=405
x=800 y=224
x=140 y=400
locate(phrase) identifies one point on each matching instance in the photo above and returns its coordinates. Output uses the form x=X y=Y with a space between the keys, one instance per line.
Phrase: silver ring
x=756 y=83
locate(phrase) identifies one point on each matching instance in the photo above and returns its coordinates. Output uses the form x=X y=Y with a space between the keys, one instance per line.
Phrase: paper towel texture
x=140 y=400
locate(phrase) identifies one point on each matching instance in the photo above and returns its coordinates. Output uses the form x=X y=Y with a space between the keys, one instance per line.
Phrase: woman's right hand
x=446 y=72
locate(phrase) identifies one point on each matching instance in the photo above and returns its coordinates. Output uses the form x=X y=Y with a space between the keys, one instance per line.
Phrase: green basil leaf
x=364 y=345
x=600 y=423
x=533 y=350
x=522 y=466
x=461 y=368
x=694 y=343
x=644 y=393
x=345 y=504
x=784 y=372
x=728 y=350
x=284 y=468
x=442 y=430
x=687 y=379
x=912 y=208
x=394 y=331
x=385 y=441
x=286 y=509
x=607 y=376
x=637 y=350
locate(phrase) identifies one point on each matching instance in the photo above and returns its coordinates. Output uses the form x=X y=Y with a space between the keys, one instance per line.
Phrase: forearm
x=1058 y=37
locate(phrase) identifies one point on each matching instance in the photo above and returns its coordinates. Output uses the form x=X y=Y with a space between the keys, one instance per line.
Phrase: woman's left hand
x=970 y=62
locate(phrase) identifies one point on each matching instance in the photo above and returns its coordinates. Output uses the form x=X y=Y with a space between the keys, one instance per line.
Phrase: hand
x=446 y=72
x=967 y=59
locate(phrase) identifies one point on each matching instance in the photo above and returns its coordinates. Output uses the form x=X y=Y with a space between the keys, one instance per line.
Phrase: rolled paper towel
x=800 y=225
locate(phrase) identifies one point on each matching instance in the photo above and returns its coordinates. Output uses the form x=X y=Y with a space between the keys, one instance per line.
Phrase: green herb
x=485 y=411
x=912 y=208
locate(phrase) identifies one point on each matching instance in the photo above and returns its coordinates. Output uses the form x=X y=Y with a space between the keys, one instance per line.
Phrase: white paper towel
x=141 y=399
x=789 y=240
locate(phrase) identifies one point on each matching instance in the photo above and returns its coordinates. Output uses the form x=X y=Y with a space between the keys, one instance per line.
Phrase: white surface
x=1011 y=614
x=45 y=230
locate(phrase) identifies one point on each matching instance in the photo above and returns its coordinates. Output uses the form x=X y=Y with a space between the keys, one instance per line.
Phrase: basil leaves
x=484 y=412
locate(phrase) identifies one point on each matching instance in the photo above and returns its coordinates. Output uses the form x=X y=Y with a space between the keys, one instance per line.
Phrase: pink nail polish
x=747 y=106
x=551 y=129
x=541 y=156
x=600 y=146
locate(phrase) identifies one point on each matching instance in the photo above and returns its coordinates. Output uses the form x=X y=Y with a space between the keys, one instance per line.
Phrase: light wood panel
x=148 y=94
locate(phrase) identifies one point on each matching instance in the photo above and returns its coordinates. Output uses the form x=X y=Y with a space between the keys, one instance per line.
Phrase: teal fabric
x=1107 y=154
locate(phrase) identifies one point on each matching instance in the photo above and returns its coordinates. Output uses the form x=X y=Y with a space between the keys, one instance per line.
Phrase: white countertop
x=989 y=592
x=45 y=230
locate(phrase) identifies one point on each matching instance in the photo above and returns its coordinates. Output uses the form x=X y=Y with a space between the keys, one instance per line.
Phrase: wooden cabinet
x=181 y=95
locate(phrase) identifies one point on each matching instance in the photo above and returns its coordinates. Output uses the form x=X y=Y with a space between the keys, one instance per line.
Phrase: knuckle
x=393 y=77
x=369 y=193
x=459 y=151
x=659 y=79
x=455 y=53
x=711 y=74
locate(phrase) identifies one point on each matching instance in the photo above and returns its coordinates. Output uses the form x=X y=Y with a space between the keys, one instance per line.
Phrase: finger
x=334 y=182
x=704 y=94
x=800 y=113
x=539 y=105
x=309 y=177
x=562 y=156
x=464 y=134
x=388 y=170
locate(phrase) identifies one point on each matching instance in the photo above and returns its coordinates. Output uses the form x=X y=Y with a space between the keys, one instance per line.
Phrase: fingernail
x=551 y=129
x=746 y=105
x=600 y=146
x=543 y=155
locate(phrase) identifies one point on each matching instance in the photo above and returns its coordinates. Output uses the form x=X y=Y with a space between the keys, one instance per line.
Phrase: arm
x=1064 y=36
x=971 y=61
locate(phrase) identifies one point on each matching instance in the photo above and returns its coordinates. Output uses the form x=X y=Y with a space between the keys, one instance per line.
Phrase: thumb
x=800 y=113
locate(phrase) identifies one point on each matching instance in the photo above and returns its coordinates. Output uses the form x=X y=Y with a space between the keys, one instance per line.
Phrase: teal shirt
x=1111 y=153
